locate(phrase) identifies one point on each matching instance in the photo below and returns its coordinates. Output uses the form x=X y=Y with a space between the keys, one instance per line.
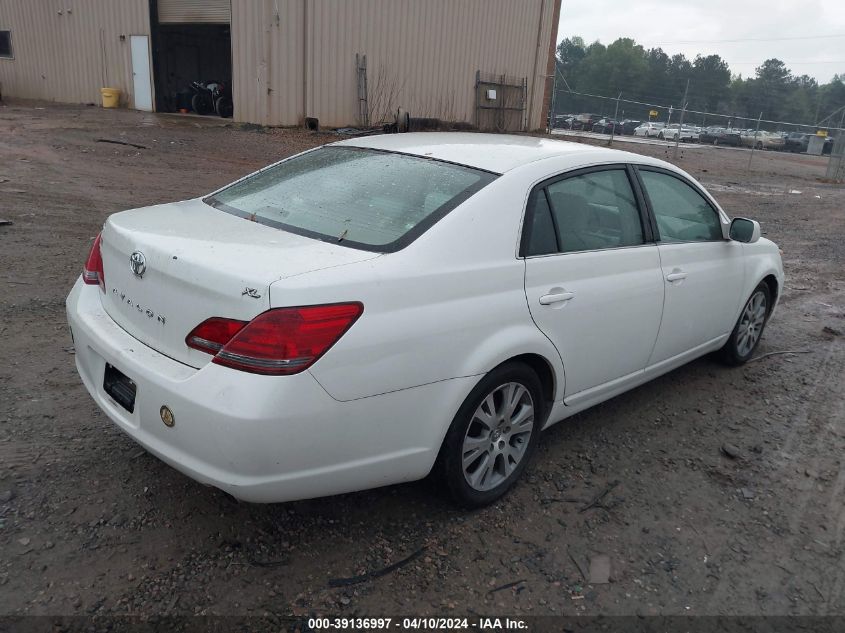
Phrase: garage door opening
x=192 y=56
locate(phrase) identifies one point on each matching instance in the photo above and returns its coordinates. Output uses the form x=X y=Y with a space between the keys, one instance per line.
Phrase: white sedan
x=373 y=310
x=650 y=129
x=676 y=132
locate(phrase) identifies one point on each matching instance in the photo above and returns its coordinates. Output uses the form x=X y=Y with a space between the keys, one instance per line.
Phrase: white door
x=141 y=77
x=592 y=282
x=703 y=272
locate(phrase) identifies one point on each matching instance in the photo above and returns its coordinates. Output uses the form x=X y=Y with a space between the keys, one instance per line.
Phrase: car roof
x=497 y=153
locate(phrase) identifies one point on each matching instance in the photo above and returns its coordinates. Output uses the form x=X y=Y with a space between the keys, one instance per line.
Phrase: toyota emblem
x=138 y=263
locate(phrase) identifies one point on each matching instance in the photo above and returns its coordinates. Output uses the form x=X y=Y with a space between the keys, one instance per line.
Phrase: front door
x=592 y=281
x=141 y=77
x=702 y=271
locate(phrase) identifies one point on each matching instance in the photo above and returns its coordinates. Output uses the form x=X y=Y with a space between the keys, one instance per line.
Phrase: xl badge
x=138 y=263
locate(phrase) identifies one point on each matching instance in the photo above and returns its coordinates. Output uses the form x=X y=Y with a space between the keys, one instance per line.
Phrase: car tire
x=483 y=430
x=749 y=327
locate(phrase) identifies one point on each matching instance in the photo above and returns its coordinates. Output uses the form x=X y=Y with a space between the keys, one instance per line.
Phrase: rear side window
x=362 y=198
x=585 y=212
x=682 y=214
x=595 y=210
x=542 y=237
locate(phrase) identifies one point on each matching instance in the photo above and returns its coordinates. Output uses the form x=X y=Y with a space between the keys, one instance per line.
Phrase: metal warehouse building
x=327 y=62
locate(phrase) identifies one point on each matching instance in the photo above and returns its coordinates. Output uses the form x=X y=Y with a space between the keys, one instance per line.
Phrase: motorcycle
x=211 y=96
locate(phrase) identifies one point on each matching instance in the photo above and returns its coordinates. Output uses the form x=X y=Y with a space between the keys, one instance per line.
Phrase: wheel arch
x=524 y=343
x=774 y=289
x=766 y=275
x=543 y=368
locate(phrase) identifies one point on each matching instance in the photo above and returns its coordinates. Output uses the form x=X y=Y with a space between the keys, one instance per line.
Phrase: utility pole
x=835 y=172
x=681 y=125
x=615 y=120
x=756 y=132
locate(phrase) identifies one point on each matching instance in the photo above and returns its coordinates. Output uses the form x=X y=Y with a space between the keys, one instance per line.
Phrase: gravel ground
x=92 y=524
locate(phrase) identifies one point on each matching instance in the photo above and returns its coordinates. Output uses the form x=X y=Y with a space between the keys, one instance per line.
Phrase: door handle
x=556 y=298
x=676 y=276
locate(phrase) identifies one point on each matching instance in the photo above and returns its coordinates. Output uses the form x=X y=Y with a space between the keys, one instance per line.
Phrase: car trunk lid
x=171 y=266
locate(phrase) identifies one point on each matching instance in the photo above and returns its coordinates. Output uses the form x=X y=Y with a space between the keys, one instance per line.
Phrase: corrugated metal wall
x=66 y=50
x=267 y=61
x=296 y=58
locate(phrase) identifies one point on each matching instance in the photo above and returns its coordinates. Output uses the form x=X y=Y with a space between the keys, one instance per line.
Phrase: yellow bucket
x=111 y=97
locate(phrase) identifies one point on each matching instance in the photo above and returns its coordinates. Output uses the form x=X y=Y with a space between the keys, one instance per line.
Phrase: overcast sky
x=674 y=24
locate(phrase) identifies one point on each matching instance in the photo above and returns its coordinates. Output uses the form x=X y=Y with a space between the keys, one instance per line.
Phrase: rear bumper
x=260 y=438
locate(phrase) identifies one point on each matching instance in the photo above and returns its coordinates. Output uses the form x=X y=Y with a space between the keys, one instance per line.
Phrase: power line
x=750 y=39
x=820 y=61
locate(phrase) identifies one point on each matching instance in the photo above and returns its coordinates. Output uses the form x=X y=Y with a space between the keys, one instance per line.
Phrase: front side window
x=6 y=44
x=590 y=211
x=682 y=214
x=362 y=198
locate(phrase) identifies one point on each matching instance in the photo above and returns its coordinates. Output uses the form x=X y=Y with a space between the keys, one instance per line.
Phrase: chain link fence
x=826 y=136
x=836 y=166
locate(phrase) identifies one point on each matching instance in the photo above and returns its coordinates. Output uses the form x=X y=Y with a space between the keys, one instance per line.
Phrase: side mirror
x=745 y=230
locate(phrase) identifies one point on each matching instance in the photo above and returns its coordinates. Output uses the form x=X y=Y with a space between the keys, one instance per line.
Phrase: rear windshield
x=368 y=199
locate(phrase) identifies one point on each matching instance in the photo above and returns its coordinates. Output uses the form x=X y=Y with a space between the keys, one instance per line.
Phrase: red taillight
x=92 y=272
x=212 y=334
x=278 y=342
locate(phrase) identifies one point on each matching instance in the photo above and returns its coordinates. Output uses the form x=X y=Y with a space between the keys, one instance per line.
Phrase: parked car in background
x=762 y=139
x=649 y=129
x=675 y=132
x=730 y=137
x=563 y=121
x=606 y=126
x=711 y=134
x=797 y=142
x=718 y=135
x=628 y=126
x=774 y=141
x=262 y=339
x=584 y=122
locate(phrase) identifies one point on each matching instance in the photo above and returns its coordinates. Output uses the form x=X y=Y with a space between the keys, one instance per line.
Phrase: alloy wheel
x=498 y=436
x=751 y=323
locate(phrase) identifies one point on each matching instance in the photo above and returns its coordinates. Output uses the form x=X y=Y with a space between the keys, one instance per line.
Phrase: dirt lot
x=92 y=524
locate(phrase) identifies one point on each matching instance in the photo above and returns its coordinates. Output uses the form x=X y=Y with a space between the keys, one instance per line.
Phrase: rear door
x=592 y=275
x=703 y=273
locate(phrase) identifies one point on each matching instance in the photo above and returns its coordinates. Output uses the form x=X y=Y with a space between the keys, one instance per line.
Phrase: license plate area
x=120 y=387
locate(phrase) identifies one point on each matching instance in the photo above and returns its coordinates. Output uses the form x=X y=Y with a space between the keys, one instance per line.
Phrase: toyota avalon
x=382 y=308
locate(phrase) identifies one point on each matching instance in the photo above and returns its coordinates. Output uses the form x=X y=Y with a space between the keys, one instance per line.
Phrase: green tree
x=653 y=77
x=710 y=83
x=657 y=74
x=570 y=52
x=831 y=98
x=772 y=87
